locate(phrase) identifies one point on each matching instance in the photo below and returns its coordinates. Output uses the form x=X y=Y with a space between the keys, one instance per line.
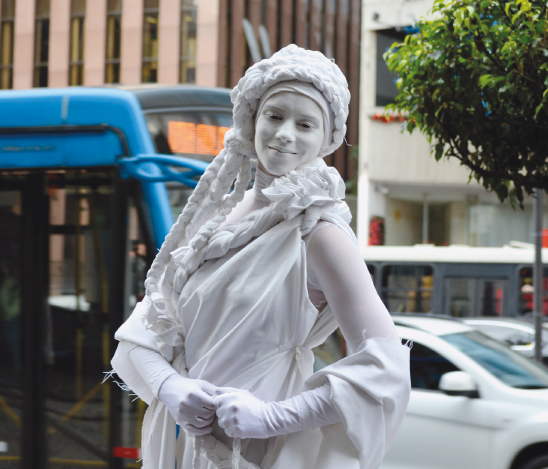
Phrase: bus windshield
x=510 y=367
x=193 y=134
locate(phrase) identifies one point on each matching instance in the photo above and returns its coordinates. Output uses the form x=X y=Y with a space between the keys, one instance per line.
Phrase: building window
x=114 y=19
x=386 y=89
x=150 y=42
x=7 y=16
x=41 y=43
x=188 y=42
x=77 y=23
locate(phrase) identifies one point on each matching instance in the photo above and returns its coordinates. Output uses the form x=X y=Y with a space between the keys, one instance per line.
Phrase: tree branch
x=492 y=58
x=504 y=12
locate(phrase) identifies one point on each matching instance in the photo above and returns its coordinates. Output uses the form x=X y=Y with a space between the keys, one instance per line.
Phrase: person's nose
x=285 y=133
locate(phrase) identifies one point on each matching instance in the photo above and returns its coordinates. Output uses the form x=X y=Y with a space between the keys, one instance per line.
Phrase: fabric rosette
x=315 y=189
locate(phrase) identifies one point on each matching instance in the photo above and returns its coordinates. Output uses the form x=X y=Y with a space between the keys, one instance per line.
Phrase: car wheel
x=540 y=462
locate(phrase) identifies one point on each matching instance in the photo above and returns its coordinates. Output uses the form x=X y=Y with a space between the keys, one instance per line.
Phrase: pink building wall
x=169 y=24
x=207 y=43
x=23 y=44
x=95 y=40
x=59 y=43
x=132 y=42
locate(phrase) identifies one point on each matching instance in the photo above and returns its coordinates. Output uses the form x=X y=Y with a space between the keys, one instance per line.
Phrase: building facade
x=405 y=196
x=56 y=43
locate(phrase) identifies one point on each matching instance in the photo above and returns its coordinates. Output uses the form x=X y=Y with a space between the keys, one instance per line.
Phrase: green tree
x=475 y=82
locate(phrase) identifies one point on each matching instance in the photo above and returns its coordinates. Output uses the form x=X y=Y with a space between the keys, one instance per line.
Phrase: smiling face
x=289 y=132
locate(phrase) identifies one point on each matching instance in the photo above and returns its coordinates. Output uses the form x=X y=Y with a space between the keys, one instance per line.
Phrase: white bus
x=459 y=281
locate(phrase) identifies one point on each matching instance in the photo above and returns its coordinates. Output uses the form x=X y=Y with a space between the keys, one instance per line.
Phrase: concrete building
x=58 y=43
x=401 y=187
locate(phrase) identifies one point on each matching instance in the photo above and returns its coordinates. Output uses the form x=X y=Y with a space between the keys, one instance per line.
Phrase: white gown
x=253 y=328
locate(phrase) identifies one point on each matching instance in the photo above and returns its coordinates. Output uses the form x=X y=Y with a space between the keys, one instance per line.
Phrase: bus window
x=474 y=297
x=193 y=134
x=459 y=295
x=407 y=288
x=491 y=297
x=526 y=291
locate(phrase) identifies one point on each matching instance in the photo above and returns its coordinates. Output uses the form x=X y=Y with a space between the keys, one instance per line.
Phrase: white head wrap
x=290 y=66
x=310 y=91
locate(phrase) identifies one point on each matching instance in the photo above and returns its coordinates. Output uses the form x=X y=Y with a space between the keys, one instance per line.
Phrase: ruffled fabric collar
x=314 y=185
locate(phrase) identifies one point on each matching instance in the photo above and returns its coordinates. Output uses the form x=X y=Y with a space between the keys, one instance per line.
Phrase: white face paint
x=289 y=132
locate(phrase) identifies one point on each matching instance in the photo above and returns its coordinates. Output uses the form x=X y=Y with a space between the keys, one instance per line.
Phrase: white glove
x=190 y=402
x=242 y=415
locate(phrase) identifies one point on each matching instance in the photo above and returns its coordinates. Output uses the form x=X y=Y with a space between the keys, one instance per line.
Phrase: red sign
x=545 y=237
x=128 y=453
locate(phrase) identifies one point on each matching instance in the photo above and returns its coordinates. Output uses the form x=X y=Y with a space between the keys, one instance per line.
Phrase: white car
x=475 y=403
x=517 y=333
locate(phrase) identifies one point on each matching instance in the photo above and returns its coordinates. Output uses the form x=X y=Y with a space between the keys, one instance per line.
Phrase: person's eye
x=306 y=125
x=273 y=116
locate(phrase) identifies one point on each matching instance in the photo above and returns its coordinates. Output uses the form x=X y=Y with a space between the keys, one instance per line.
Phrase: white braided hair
x=208 y=206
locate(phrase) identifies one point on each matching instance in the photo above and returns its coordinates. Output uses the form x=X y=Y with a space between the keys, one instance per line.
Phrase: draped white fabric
x=244 y=320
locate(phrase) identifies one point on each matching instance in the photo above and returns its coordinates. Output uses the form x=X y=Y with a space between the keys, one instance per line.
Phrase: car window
x=508 y=335
x=510 y=367
x=427 y=367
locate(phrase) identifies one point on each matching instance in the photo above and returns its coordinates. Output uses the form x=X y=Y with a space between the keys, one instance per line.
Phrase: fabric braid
x=216 y=208
x=236 y=449
x=217 y=190
x=179 y=227
x=196 y=460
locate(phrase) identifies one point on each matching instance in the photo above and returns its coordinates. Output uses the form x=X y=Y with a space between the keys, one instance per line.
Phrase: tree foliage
x=475 y=82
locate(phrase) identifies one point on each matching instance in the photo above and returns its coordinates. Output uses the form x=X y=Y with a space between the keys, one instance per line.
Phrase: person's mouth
x=282 y=150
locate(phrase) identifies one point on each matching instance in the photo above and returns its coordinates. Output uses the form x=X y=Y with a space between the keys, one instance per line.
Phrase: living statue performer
x=248 y=282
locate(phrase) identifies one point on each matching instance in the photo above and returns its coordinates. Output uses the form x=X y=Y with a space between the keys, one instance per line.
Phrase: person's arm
x=190 y=401
x=152 y=366
x=242 y=415
x=336 y=268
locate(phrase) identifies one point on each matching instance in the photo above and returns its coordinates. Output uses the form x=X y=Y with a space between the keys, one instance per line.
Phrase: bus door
x=73 y=258
x=467 y=297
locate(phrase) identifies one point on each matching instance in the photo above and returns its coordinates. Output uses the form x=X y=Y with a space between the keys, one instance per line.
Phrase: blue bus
x=89 y=181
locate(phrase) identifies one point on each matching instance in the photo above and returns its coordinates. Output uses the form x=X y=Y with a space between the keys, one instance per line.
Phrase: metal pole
x=538 y=275
x=425 y=220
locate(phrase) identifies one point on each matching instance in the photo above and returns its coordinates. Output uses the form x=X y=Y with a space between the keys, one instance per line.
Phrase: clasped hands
x=195 y=403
